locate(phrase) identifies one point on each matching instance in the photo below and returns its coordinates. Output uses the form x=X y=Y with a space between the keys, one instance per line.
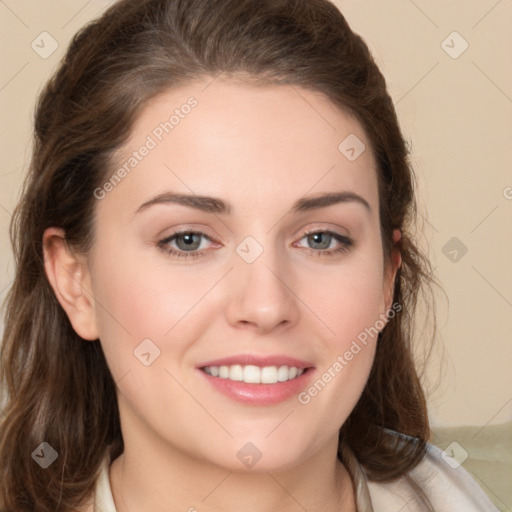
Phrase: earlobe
x=396 y=264
x=397 y=255
x=69 y=277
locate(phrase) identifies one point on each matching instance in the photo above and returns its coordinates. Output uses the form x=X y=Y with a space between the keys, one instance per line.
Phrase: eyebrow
x=215 y=205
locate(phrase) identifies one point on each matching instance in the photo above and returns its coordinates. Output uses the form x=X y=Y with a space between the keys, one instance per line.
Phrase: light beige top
x=449 y=487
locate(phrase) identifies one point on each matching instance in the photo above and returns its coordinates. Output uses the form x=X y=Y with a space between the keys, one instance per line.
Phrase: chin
x=261 y=455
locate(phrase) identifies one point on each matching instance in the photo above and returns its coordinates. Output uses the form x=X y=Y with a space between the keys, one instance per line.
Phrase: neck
x=147 y=478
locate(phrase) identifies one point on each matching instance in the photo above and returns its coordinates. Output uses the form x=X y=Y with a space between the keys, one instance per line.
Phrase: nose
x=262 y=294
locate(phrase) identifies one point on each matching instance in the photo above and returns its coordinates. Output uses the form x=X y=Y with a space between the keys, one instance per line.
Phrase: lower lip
x=259 y=394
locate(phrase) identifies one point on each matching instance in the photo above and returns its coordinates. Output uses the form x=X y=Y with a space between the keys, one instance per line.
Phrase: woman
x=216 y=275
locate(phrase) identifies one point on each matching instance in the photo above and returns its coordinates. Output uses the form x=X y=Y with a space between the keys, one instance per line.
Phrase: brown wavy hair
x=56 y=386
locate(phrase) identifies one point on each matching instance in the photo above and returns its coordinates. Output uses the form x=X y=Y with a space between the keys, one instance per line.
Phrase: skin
x=260 y=149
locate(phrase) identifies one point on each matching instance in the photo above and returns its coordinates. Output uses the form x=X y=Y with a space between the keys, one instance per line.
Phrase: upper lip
x=257 y=360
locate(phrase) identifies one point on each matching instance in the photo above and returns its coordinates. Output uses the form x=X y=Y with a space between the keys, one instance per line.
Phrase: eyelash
x=346 y=244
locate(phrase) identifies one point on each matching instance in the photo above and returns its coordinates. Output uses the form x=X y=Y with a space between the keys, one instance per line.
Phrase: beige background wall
x=455 y=107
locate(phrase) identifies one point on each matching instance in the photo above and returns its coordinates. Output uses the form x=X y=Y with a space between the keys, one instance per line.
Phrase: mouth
x=251 y=374
x=257 y=380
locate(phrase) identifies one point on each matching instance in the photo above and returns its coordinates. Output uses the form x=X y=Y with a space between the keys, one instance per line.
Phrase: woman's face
x=251 y=292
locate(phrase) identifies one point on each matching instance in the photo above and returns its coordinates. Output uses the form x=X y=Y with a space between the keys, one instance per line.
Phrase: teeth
x=254 y=374
x=269 y=375
x=236 y=372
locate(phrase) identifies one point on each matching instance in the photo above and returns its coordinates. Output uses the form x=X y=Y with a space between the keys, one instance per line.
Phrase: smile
x=252 y=374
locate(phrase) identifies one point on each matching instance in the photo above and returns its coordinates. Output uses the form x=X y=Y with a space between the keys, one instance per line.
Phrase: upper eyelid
x=173 y=236
x=324 y=230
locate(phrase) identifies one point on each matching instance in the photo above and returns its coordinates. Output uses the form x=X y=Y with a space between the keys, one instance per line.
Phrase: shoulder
x=101 y=499
x=448 y=486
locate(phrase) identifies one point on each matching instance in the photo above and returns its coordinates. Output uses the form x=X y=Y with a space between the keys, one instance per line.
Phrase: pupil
x=317 y=239
x=188 y=240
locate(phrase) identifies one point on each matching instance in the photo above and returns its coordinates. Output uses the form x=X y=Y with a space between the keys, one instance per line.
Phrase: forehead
x=244 y=141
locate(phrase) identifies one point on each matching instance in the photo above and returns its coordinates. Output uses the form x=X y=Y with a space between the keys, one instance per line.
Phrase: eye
x=186 y=243
x=321 y=242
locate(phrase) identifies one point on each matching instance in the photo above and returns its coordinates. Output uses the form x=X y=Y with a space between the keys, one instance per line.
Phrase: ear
x=396 y=262
x=69 y=277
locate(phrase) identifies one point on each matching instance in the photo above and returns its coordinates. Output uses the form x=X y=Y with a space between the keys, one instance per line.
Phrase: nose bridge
x=260 y=290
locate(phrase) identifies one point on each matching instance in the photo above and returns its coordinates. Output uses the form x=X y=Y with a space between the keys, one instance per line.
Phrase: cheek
x=346 y=359
x=348 y=300
x=134 y=302
x=145 y=299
